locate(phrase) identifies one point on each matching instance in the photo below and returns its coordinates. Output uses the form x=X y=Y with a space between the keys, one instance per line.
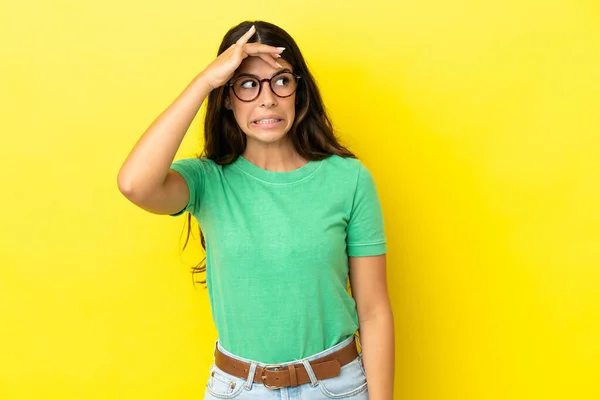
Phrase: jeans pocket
x=223 y=385
x=351 y=381
x=361 y=365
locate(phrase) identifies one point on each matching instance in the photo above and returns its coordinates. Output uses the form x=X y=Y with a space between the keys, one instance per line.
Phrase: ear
x=227 y=103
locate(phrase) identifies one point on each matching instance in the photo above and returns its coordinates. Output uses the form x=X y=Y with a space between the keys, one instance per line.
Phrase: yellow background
x=479 y=121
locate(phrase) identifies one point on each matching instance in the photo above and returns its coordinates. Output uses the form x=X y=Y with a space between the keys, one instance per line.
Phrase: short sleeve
x=193 y=172
x=365 y=230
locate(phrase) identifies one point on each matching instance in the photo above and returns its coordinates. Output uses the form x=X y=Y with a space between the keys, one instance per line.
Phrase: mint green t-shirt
x=277 y=247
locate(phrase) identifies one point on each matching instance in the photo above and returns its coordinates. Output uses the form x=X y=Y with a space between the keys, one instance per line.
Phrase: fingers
x=269 y=59
x=246 y=36
x=266 y=52
x=253 y=49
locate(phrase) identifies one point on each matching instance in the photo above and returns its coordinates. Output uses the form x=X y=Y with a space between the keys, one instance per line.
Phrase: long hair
x=311 y=132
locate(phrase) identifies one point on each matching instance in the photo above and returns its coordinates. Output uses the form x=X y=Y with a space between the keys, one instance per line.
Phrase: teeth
x=267 y=121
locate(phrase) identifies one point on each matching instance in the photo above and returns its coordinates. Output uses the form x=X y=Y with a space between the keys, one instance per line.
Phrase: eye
x=282 y=80
x=248 y=84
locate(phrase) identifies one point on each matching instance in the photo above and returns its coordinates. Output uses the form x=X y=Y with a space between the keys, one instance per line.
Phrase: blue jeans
x=351 y=383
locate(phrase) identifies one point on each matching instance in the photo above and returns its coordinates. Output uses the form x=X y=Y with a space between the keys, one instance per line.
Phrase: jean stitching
x=352 y=392
x=231 y=395
x=361 y=365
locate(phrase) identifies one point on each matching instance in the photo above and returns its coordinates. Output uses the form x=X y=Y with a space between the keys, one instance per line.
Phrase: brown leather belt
x=275 y=376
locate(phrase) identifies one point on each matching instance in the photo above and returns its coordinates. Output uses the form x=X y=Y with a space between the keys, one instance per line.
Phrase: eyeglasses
x=247 y=88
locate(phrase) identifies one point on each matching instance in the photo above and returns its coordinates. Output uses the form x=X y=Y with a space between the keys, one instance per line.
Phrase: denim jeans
x=351 y=383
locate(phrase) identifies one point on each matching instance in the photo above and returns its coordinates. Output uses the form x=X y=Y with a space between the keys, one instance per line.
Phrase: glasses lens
x=246 y=88
x=284 y=84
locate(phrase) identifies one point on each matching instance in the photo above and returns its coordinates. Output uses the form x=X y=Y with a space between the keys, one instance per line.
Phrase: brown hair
x=311 y=133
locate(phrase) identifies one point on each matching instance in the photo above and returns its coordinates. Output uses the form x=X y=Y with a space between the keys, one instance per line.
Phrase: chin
x=267 y=136
x=267 y=139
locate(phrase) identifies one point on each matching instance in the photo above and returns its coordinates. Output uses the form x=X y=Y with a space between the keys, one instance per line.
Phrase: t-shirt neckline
x=273 y=176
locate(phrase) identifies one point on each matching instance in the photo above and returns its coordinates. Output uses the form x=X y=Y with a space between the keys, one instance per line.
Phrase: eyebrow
x=258 y=77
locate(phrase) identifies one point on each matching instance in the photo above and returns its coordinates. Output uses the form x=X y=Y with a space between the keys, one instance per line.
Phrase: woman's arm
x=376 y=323
x=144 y=177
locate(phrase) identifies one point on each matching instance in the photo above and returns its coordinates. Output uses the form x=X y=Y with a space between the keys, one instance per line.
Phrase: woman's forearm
x=377 y=343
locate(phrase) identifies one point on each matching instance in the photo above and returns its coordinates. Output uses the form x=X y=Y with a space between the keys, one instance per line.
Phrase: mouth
x=267 y=122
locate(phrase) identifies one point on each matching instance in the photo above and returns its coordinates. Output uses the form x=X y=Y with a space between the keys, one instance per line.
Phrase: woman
x=288 y=215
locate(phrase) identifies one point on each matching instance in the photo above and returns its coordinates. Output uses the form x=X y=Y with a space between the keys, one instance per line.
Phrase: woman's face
x=269 y=117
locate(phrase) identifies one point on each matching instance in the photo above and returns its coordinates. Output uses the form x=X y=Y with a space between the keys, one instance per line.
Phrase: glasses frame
x=260 y=85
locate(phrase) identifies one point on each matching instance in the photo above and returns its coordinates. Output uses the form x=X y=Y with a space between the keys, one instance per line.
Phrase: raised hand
x=218 y=72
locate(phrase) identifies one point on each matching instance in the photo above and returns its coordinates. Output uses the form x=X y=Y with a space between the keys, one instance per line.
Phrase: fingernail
x=281 y=48
x=252 y=27
x=279 y=65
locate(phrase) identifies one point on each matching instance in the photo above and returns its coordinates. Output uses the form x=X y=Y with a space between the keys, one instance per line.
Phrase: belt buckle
x=270 y=367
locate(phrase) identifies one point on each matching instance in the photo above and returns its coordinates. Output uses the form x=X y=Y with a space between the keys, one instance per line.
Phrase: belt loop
x=311 y=373
x=293 y=376
x=250 y=379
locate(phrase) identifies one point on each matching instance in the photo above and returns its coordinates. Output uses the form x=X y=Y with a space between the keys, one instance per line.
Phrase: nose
x=266 y=96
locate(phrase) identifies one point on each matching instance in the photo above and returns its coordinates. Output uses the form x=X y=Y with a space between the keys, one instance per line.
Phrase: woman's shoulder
x=350 y=169
x=197 y=163
x=344 y=164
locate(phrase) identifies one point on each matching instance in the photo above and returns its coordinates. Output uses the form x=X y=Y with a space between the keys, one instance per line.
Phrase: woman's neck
x=280 y=157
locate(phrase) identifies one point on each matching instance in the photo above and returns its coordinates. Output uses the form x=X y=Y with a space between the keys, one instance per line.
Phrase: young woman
x=288 y=216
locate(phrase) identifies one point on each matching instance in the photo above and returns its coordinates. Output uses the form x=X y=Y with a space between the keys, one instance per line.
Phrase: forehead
x=257 y=66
